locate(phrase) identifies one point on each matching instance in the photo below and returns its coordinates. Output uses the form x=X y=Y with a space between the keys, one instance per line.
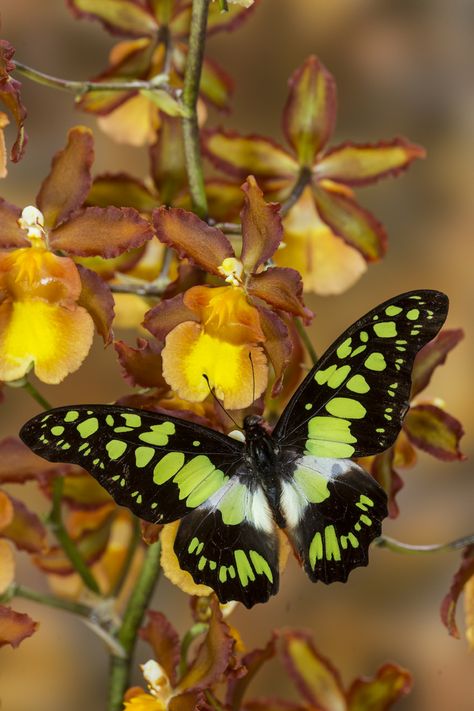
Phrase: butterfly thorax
x=261 y=456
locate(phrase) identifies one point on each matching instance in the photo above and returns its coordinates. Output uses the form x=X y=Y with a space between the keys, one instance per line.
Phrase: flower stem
x=306 y=340
x=76 y=608
x=81 y=87
x=192 y=78
x=195 y=631
x=67 y=544
x=303 y=180
x=31 y=390
x=399 y=547
x=132 y=619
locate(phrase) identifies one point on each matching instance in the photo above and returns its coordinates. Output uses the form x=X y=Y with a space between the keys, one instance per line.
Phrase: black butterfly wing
x=352 y=403
x=159 y=467
x=333 y=510
x=231 y=544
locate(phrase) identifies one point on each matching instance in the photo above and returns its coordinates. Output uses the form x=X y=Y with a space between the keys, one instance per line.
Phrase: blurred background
x=402 y=67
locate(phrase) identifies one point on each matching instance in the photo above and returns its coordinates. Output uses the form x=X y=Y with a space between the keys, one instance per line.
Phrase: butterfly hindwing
x=159 y=467
x=333 y=510
x=231 y=544
x=353 y=402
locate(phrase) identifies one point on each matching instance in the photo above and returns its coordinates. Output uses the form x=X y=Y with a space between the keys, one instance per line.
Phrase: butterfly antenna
x=253 y=376
x=219 y=402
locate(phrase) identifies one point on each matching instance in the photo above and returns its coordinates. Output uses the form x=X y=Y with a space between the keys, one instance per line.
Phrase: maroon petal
x=262 y=229
x=382 y=691
x=11 y=97
x=15 y=627
x=310 y=111
x=164 y=640
x=433 y=355
x=11 y=234
x=384 y=472
x=69 y=180
x=252 y=662
x=191 y=237
x=363 y=164
x=278 y=345
x=97 y=298
x=101 y=232
x=26 y=530
x=351 y=222
x=282 y=288
x=165 y=316
x=121 y=190
x=462 y=575
x=120 y=17
x=434 y=431
x=141 y=366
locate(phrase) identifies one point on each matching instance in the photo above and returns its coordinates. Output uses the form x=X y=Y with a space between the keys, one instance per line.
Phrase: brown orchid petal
x=351 y=222
x=15 y=627
x=464 y=574
x=150 y=532
x=310 y=110
x=224 y=199
x=166 y=315
x=269 y=704
x=97 y=299
x=168 y=167
x=3 y=148
x=362 y=164
x=123 y=17
x=102 y=231
x=262 y=228
x=141 y=366
x=69 y=180
x=80 y=490
x=121 y=190
x=213 y=656
x=11 y=234
x=164 y=640
x=315 y=677
x=7 y=566
x=91 y=546
x=18 y=463
x=431 y=356
x=434 y=431
x=252 y=662
x=282 y=288
x=383 y=471
x=192 y=701
x=6 y=511
x=248 y=155
x=135 y=122
x=81 y=521
x=10 y=96
x=191 y=237
x=381 y=692
x=469 y=611
x=25 y=530
x=277 y=345
x=219 y=21
x=188 y=276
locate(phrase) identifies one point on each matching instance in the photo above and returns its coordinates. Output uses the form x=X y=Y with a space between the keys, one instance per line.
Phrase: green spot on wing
x=70 y=416
x=167 y=467
x=158 y=434
x=115 y=448
x=88 y=427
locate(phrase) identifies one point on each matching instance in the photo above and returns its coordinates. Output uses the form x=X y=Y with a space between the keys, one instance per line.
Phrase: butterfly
x=231 y=496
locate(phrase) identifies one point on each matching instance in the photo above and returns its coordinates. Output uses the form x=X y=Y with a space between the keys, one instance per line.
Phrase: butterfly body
x=232 y=498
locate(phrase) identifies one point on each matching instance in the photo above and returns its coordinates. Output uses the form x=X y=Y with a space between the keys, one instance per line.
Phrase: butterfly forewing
x=333 y=510
x=159 y=467
x=231 y=544
x=353 y=402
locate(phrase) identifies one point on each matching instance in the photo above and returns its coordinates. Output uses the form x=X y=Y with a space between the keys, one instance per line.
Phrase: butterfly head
x=254 y=426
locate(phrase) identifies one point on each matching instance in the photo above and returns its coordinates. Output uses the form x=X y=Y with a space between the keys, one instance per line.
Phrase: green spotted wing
x=231 y=544
x=333 y=510
x=352 y=403
x=164 y=469
x=161 y=468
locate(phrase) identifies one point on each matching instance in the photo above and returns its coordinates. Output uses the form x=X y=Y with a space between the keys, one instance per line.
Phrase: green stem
x=132 y=619
x=399 y=547
x=306 y=340
x=81 y=87
x=51 y=601
x=192 y=78
x=67 y=544
x=129 y=557
x=31 y=390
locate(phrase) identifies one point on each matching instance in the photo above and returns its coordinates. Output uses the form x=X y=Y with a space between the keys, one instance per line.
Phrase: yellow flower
x=159 y=687
x=221 y=350
x=41 y=323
